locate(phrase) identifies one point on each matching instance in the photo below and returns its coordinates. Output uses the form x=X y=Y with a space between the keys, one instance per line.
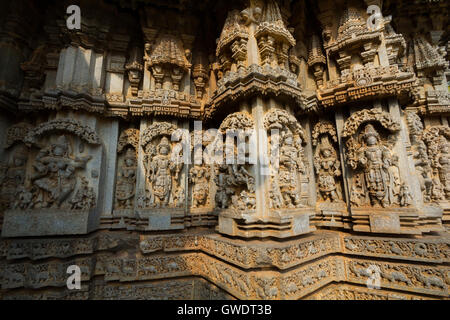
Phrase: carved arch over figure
x=237 y=120
x=128 y=137
x=323 y=127
x=155 y=130
x=366 y=115
x=75 y=127
x=277 y=119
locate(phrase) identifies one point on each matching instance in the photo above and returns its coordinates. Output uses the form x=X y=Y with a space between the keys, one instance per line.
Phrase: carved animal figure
x=396 y=276
x=307 y=280
x=149 y=269
x=429 y=281
x=270 y=291
x=172 y=266
x=395 y=248
x=420 y=249
x=291 y=288
x=360 y=272
x=322 y=274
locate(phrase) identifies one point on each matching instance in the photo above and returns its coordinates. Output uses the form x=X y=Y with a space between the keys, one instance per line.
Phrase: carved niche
x=421 y=159
x=127 y=149
x=58 y=178
x=234 y=182
x=200 y=173
x=326 y=162
x=164 y=187
x=438 y=145
x=288 y=162
x=375 y=178
x=13 y=173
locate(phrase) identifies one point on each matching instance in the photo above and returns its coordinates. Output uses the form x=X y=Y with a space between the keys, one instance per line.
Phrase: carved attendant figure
x=327 y=167
x=290 y=165
x=443 y=166
x=375 y=160
x=160 y=174
x=14 y=177
x=199 y=176
x=125 y=189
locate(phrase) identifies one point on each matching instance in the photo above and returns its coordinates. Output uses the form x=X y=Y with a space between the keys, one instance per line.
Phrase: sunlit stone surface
x=345 y=183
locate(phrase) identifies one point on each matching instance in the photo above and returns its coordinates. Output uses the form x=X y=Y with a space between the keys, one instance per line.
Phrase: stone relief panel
x=58 y=177
x=326 y=162
x=288 y=174
x=127 y=149
x=164 y=176
x=59 y=167
x=437 y=139
x=13 y=172
x=370 y=136
x=201 y=173
x=235 y=183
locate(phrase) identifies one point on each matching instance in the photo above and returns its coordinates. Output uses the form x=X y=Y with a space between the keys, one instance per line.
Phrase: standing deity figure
x=290 y=165
x=13 y=177
x=161 y=169
x=199 y=176
x=125 y=188
x=375 y=160
x=443 y=167
x=327 y=168
x=55 y=175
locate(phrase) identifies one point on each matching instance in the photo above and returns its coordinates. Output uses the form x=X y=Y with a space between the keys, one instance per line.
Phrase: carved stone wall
x=259 y=149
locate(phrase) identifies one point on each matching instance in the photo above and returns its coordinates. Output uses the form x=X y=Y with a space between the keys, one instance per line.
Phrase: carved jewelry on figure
x=235 y=184
x=326 y=162
x=162 y=166
x=55 y=176
x=126 y=177
x=284 y=129
x=367 y=152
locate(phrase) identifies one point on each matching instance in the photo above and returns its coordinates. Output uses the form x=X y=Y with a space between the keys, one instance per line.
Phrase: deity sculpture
x=223 y=190
x=327 y=168
x=423 y=167
x=290 y=165
x=443 y=166
x=375 y=159
x=161 y=169
x=199 y=176
x=126 y=181
x=55 y=176
x=13 y=177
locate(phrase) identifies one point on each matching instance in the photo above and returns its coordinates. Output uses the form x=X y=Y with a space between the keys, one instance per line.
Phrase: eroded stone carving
x=235 y=184
x=55 y=175
x=380 y=179
x=163 y=168
x=285 y=174
x=326 y=162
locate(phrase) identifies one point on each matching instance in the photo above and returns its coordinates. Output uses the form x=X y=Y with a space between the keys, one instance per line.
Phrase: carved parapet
x=364 y=84
x=435 y=102
x=265 y=80
x=158 y=102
